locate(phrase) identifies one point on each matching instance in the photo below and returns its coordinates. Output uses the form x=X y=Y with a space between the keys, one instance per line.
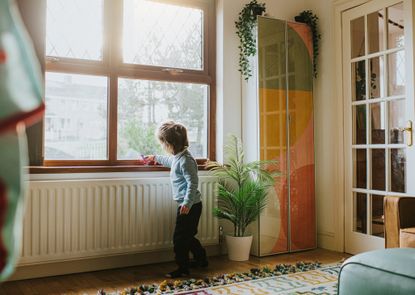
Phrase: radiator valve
x=221 y=237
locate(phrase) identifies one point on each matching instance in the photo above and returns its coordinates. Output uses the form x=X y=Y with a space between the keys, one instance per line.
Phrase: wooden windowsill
x=94 y=169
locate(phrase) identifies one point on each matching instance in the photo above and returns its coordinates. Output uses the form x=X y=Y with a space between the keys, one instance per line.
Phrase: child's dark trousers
x=184 y=237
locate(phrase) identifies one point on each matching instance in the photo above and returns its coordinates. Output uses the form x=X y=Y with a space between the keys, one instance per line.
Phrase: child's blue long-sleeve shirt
x=183 y=176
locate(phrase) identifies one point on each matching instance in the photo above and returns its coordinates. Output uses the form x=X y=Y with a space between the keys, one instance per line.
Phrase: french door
x=378 y=115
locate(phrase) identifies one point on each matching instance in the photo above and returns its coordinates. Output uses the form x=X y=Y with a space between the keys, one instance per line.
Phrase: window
x=116 y=69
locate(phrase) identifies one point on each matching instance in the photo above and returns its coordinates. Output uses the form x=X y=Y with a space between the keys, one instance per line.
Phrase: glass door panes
x=395 y=26
x=396 y=120
x=377 y=172
x=360 y=166
x=359 y=80
x=397 y=170
x=396 y=73
x=359 y=124
x=377 y=61
x=357 y=32
x=376 y=74
x=375 y=25
x=360 y=213
x=377 y=215
x=377 y=123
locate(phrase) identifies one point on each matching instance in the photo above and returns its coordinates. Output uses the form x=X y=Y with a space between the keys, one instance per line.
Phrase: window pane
x=76 y=117
x=378 y=169
x=161 y=34
x=376 y=77
x=143 y=105
x=74 y=29
x=375 y=31
x=396 y=73
x=359 y=168
x=377 y=216
x=360 y=213
x=378 y=124
x=357 y=32
x=397 y=119
x=359 y=80
x=396 y=28
x=398 y=170
x=359 y=124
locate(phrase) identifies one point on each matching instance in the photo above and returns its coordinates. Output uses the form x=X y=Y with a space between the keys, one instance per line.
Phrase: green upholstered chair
x=380 y=272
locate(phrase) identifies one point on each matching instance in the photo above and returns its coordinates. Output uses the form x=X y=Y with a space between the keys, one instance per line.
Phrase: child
x=184 y=180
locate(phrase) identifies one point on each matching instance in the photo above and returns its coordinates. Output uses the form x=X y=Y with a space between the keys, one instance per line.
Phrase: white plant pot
x=238 y=247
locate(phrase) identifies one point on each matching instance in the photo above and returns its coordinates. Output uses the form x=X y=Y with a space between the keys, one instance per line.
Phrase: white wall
x=284 y=10
x=228 y=79
x=326 y=132
x=325 y=102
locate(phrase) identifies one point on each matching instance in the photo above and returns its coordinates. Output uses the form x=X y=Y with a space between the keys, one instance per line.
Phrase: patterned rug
x=302 y=278
x=322 y=281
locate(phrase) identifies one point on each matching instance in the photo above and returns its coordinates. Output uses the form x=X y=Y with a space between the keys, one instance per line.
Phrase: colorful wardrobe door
x=286 y=134
x=272 y=97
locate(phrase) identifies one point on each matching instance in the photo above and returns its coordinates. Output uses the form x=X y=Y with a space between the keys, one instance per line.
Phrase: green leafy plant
x=245 y=24
x=311 y=20
x=242 y=188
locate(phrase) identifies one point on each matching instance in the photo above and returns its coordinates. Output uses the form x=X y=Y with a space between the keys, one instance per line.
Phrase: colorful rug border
x=189 y=286
x=321 y=267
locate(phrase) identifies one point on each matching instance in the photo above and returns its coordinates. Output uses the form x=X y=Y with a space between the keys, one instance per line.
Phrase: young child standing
x=184 y=180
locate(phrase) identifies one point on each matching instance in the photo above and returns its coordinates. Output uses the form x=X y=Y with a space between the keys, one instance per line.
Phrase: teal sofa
x=380 y=272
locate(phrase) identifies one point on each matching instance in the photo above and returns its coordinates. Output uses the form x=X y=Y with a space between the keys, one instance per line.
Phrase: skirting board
x=328 y=241
x=100 y=263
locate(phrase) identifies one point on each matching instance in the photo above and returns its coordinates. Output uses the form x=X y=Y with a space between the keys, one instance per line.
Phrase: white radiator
x=72 y=219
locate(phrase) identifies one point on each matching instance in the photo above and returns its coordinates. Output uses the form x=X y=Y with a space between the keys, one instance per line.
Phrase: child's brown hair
x=173 y=136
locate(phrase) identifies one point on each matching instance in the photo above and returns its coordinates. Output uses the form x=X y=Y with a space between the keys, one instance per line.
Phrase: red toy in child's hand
x=148 y=160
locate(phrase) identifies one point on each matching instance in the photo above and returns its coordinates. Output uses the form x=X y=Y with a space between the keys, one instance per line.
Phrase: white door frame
x=339 y=7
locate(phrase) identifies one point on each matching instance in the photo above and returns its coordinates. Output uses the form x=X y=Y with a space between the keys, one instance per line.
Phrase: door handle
x=409 y=133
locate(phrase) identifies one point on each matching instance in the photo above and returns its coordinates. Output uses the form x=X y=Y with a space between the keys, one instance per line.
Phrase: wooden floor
x=118 y=279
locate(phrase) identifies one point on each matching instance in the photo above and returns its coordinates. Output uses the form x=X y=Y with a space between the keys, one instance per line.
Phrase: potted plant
x=245 y=24
x=242 y=195
x=307 y=17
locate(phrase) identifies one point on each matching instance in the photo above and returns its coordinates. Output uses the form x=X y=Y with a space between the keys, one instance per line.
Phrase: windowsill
x=95 y=169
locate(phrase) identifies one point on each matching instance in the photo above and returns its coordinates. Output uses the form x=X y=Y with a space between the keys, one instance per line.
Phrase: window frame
x=112 y=67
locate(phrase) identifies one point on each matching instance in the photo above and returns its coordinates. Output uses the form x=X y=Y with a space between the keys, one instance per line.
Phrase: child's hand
x=184 y=210
x=149 y=159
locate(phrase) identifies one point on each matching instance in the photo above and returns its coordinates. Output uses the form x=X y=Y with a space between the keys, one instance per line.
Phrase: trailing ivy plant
x=245 y=25
x=311 y=20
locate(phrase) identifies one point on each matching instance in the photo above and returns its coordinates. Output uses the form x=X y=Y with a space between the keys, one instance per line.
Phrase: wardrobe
x=278 y=125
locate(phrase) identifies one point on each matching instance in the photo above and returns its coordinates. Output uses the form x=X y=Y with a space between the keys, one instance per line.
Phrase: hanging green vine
x=245 y=25
x=311 y=20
